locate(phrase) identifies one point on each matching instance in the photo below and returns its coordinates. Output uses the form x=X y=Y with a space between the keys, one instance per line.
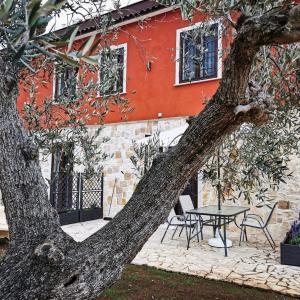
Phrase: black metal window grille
x=112 y=81
x=65 y=82
x=198 y=54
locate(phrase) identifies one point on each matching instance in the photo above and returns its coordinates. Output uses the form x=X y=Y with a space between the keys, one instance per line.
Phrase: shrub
x=294 y=233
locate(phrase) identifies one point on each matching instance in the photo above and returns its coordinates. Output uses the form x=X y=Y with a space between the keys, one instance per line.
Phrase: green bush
x=295 y=240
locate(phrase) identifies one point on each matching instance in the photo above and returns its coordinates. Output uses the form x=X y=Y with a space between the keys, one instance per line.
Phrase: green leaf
x=88 y=45
x=72 y=38
x=94 y=47
x=45 y=10
x=5 y=8
x=90 y=60
x=68 y=60
x=19 y=53
x=33 y=8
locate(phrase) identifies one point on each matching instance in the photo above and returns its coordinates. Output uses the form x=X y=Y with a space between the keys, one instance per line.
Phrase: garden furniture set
x=218 y=217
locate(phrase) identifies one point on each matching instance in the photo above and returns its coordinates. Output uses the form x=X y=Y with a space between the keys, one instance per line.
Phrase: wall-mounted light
x=149 y=66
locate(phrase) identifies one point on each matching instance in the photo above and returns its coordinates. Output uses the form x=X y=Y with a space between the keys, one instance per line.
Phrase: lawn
x=146 y=283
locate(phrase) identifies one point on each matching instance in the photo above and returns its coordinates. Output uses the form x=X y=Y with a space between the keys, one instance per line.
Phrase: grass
x=146 y=283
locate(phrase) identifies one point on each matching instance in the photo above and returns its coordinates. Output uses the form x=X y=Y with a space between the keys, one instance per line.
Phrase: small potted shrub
x=290 y=247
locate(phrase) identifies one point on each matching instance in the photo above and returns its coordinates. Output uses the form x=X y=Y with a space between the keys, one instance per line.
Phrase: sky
x=68 y=18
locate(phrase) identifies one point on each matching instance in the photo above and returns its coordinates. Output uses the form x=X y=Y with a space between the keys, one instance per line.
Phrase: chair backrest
x=171 y=215
x=271 y=213
x=3 y=223
x=186 y=203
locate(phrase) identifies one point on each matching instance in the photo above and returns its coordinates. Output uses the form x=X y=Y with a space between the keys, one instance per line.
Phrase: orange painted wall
x=153 y=92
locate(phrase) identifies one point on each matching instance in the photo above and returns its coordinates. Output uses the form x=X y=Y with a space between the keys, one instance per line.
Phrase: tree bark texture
x=43 y=262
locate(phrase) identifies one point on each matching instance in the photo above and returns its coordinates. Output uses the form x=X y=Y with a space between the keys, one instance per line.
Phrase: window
x=113 y=70
x=197 y=56
x=65 y=81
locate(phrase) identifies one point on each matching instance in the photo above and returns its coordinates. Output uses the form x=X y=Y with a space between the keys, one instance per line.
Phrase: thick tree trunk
x=23 y=189
x=44 y=263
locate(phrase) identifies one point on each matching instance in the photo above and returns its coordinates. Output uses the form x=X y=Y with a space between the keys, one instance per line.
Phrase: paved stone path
x=252 y=264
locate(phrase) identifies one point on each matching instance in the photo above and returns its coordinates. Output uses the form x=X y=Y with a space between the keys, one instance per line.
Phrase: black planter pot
x=69 y=217
x=289 y=254
x=90 y=214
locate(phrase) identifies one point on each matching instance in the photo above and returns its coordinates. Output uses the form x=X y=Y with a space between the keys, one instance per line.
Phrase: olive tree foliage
x=43 y=262
x=255 y=160
x=61 y=120
x=144 y=154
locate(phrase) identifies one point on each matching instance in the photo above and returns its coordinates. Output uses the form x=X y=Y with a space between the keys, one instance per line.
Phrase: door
x=62 y=178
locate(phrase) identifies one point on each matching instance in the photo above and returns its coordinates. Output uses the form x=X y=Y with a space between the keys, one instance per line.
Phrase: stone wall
x=119 y=170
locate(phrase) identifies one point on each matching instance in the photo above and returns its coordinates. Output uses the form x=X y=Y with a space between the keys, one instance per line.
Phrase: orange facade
x=152 y=91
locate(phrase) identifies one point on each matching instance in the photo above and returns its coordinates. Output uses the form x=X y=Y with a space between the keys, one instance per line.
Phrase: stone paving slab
x=255 y=265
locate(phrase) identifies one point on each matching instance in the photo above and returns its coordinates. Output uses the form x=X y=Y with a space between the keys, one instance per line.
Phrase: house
x=165 y=85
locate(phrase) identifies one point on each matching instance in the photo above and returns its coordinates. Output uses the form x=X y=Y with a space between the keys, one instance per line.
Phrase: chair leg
x=181 y=231
x=197 y=231
x=165 y=233
x=270 y=236
x=246 y=237
x=201 y=228
x=188 y=236
x=241 y=235
x=174 y=232
x=272 y=246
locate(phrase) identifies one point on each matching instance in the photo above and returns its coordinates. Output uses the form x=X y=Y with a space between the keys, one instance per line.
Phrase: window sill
x=197 y=81
x=112 y=95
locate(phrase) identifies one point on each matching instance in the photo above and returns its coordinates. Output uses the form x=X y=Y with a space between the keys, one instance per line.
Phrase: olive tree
x=43 y=262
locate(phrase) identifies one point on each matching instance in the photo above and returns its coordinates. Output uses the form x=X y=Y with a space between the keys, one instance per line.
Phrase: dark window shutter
x=120 y=69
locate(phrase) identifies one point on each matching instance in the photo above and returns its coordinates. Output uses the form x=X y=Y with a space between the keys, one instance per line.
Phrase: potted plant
x=290 y=247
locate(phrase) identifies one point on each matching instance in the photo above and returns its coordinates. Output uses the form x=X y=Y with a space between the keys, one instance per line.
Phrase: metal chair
x=179 y=221
x=256 y=221
x=186 y=204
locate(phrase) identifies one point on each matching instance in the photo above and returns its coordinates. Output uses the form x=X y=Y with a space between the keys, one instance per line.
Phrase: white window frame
x=114 y=47
x=219 y=61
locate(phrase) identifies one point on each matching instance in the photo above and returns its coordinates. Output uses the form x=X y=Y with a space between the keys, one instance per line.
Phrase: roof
x=117 y=16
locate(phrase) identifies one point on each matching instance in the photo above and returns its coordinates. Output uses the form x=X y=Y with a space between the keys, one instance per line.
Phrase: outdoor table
x=223 y=216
